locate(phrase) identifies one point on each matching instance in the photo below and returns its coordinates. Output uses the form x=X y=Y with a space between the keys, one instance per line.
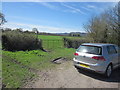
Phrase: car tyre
x=108 y=71
x=77 y=68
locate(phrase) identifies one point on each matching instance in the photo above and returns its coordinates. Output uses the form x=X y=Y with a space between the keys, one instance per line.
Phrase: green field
x=51 y=42
x=54 y=42
x=49 y=37
x=18 y=67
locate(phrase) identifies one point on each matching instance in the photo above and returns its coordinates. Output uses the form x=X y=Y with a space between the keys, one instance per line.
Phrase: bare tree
x=35 y=30
x=105 y=28
x=114 y=24
x=2 y=19
x=97 y=28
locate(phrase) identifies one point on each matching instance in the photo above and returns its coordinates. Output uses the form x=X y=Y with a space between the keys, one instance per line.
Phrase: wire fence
x=68 y=43
x=52 y=44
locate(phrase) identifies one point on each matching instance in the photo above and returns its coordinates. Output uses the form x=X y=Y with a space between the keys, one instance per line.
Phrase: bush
x=73 y=43
x=15 y=41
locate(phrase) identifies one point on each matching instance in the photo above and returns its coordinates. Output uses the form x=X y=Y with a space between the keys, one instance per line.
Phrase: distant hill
x=72 y=34
x=65 y=34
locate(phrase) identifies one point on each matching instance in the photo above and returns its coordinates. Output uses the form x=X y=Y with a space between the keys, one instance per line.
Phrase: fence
x=68 y=43
x=52 y=44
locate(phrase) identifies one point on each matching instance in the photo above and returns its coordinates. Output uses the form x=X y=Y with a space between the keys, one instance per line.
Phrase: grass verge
x=18 y=67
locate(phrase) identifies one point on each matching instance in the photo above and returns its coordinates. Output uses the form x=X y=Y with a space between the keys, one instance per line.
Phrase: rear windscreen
x=90 y=49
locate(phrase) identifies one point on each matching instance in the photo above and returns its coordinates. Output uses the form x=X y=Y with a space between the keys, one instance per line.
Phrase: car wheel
x=108 y=71
x=77 y=68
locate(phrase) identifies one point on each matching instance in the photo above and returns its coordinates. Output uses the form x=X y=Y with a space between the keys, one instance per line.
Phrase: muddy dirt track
x=66 y=76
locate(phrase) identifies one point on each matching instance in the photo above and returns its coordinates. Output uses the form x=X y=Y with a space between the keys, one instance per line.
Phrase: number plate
x=83 y=65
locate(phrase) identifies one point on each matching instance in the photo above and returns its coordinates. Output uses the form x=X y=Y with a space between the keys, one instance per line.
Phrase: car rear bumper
x=99 y=68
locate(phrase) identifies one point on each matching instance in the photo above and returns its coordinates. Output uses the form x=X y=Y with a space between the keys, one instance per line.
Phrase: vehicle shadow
x=115 y=76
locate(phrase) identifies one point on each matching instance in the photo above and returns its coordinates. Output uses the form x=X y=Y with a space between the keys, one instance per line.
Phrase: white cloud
x=73 y=9
x=86 y=8
x=46 y=4
x=41 y=28
x=91 y=6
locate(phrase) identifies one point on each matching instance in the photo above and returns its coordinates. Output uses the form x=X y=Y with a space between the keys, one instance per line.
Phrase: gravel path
x=66 y=76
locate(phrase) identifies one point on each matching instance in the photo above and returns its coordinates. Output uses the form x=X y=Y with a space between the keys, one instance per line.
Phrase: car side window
x=111 y=49
x=117 y=49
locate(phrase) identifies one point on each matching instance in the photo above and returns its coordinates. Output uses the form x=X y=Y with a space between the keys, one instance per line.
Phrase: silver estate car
x=101 y=58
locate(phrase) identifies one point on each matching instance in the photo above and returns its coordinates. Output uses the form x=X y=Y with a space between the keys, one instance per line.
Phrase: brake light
x=76 y=54
x=98 y=58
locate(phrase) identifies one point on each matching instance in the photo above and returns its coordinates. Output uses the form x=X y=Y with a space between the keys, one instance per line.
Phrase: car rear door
x=118 y=52
x=112 y=54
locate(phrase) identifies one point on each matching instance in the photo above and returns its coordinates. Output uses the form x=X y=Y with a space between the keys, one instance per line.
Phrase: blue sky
x=53 y=17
